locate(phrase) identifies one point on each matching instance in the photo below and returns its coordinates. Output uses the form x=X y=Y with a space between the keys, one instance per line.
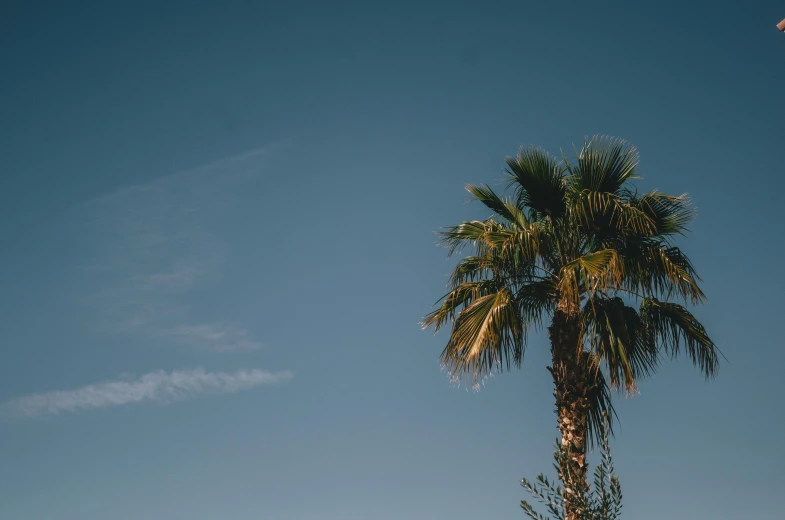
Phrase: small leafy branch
x=603 y=502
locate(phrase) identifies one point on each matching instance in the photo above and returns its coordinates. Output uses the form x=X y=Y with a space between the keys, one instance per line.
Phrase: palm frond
x=603 y=165
x=538 y=181
x=487 y=334
x=669 y=214
x=616 y=336
x=601 y=410
x=519 y=249
x=603 y=213
x=502 y=207
x=670 y=325
x=536 y=299
x=460 y=297
x=655 y=269
x=471 y=233
x=469 y=269
x=599 y=270
x=496 y=246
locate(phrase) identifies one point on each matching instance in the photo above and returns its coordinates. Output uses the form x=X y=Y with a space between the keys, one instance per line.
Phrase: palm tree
x=576 y=244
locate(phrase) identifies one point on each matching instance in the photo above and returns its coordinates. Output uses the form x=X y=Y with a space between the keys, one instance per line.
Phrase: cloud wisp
x=155 y=252
x=217 y=337
x=158 y=386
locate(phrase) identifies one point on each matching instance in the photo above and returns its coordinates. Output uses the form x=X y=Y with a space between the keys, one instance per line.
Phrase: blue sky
x=217 y=242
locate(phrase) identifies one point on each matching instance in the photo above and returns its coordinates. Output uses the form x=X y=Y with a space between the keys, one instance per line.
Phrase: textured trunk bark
x=572 y=405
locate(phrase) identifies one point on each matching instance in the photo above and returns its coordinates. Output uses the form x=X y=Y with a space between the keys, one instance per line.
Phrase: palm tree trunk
x=572 y=406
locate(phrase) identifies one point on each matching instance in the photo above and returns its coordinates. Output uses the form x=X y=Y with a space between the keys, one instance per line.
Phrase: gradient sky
x=217 y=242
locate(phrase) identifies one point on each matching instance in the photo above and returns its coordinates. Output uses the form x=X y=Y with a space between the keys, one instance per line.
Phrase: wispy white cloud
x=156 y=245
x=158 y=386
x=217 y=337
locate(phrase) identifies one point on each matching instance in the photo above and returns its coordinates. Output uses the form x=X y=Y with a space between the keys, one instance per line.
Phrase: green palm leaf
x=607 y=214
x=487 y=334
x=505 y=208
x=456 y=300
x=603 y=165
x=536 y=299
x=617 y=337
x=655 y=269
x=538 y=179
x=673 y=326
x=670 y=215
x=472 y=233
x=591 y=272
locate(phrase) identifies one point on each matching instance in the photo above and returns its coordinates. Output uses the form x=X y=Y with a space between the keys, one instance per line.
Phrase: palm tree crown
x=573 y=243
